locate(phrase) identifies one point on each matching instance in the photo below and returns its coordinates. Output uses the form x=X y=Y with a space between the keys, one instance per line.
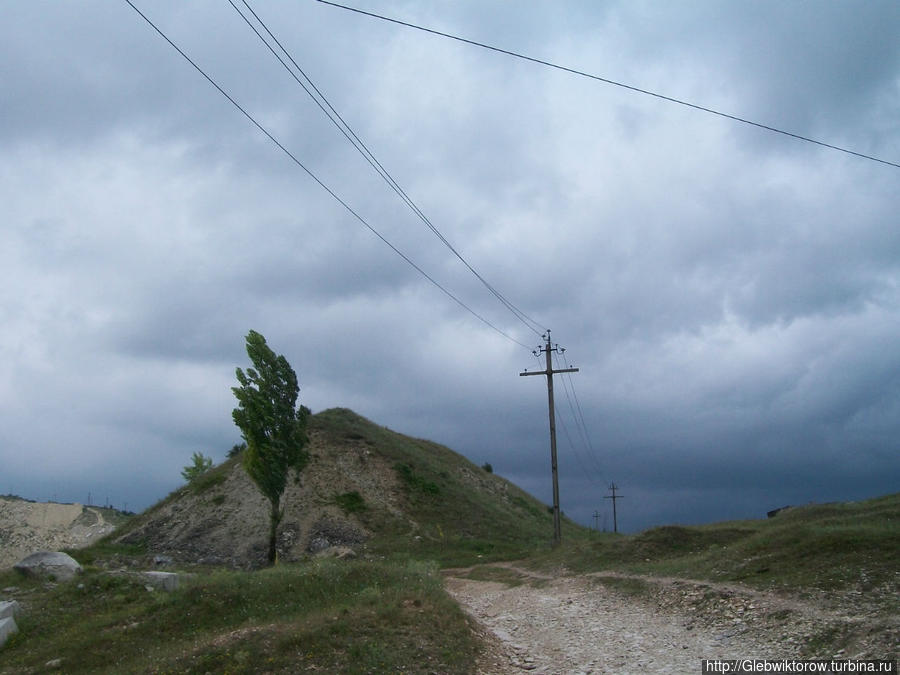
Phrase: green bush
x=351 y=502
x=200 y=466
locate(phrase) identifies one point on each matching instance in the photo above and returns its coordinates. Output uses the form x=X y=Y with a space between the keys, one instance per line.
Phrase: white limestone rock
x=9 y=609
x=7 y=627
x=60 y=566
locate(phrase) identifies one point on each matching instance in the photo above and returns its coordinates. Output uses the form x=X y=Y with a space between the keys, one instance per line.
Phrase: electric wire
x=587 y=434
x=578 y=417
x=582 y=436
x=586 y=469
x=321 y=184
x=615 y=83
x=341 y=124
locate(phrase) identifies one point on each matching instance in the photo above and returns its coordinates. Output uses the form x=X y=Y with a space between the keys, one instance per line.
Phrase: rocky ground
x=609 y=623
x=27 y=527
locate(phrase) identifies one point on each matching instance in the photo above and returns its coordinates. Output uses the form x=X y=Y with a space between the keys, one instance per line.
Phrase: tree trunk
x=274 y=520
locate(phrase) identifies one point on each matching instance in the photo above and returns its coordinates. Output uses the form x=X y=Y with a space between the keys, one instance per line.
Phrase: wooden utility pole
x=614 y=497
x=549 y=372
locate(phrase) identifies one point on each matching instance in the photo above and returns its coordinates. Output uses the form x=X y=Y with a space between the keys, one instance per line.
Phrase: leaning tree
x=272 y=426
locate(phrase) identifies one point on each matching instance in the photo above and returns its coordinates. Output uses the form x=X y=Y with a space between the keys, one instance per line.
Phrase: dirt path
x=579 y=624
x=572 y=626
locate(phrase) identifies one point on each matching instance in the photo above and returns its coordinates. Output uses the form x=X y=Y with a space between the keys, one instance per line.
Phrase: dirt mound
x=223 y=519
x=27 y=527
x=364 y=485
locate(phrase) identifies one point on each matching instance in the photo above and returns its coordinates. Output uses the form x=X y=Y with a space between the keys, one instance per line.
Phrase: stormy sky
x=730 y=295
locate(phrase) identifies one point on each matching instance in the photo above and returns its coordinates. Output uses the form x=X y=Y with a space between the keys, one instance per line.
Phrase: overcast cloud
x=731 y=295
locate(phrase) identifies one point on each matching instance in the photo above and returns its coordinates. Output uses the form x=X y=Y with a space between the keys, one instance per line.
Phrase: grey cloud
x=730 y=296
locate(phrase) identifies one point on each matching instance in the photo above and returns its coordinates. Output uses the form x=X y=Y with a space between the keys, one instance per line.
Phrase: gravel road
x=575 y=624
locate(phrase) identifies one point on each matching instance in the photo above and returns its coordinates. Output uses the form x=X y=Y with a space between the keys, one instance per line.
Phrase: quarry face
x=27 y=527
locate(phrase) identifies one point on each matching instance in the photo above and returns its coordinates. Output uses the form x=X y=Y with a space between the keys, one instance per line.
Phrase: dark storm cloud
x=731 y=296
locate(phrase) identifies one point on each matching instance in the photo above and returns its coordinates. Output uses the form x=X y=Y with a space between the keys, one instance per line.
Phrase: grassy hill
x=366 y=487
x=453 y=511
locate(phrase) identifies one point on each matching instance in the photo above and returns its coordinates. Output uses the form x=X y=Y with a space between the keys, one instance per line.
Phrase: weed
x=350 y=502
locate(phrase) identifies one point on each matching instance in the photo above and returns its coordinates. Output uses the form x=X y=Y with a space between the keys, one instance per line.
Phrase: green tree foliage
x=199 y=467
x=273 y=428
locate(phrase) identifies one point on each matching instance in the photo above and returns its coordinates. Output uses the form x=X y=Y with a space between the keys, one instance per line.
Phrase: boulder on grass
x=7 y=628
x=47 y=564
x=165 y=581
x=9 y=609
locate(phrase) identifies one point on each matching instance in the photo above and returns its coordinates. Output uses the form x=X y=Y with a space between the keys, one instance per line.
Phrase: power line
x=605 y=80
x=325 y=187
x=579 y=419
x=335 y=117
x=585 y=467
x=587 y=434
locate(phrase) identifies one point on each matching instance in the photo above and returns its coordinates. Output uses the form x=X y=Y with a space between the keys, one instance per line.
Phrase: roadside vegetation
x=845 y=547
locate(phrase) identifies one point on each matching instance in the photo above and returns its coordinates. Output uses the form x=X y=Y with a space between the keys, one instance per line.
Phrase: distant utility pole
x=614 y=497
x=597 y=520
x=549 y=372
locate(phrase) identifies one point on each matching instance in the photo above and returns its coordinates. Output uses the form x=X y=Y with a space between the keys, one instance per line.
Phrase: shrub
x=200 y=466
x=351 y=502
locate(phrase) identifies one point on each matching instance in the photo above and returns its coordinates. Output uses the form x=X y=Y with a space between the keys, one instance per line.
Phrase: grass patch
x=351 y=502
x=415 y=483
x=208 y=480
x=630 y=586
x=326 y=616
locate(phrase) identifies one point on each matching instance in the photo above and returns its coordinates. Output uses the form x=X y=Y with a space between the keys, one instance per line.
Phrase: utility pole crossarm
x=544 y=372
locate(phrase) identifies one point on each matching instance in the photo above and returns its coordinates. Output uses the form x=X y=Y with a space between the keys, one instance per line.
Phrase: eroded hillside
x=365 y=486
